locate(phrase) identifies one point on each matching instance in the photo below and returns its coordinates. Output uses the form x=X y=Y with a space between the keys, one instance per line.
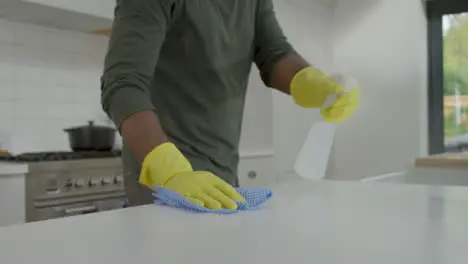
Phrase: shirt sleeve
x=270 y=43
x=138 y=33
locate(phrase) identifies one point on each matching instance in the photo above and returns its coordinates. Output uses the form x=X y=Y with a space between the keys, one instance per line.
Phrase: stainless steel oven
x=62 y=184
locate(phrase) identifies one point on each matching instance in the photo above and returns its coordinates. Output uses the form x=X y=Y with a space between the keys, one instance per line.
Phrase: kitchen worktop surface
x=305 y=222
x=457 y=160
x=12 y=168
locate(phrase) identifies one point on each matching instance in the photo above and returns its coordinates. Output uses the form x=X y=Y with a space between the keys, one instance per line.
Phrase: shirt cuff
x=126 y=102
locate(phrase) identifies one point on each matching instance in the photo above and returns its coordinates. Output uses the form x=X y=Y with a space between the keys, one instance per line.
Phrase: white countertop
x=305 y=222
x=11 y=168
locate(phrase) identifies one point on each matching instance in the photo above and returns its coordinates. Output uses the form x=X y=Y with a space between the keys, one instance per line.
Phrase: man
x=174 y=83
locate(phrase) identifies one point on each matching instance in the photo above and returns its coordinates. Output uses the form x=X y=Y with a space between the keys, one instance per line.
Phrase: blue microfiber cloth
x=254 y=197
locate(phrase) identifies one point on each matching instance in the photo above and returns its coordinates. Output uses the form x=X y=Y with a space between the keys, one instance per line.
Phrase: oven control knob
x=79 y=184
x=118 y=179
x=92 y=182
x=52 y=185
x=105 y=181
x=69 y=183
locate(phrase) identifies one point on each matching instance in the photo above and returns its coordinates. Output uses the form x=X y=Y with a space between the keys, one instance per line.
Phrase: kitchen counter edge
x=10 y=169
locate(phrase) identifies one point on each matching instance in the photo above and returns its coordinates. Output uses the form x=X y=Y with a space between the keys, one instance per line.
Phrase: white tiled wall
x=49 y=80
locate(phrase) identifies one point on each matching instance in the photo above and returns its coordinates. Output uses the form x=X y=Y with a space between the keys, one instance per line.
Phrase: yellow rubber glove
x=166 y=166
x=343 y=107
x=310 y=87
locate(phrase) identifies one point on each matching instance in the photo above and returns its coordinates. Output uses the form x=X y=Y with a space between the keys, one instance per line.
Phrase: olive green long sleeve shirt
x=189 y=61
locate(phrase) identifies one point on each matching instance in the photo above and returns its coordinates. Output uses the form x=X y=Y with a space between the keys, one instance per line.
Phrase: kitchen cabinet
x=82 y=16
x=101 y=8
x=256 y=169
x=12 y=194
x=260 y=168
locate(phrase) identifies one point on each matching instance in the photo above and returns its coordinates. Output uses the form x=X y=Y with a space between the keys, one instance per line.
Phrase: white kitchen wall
x=309 y=27
x=49 y=80
x=383 y=44
x=257 y=132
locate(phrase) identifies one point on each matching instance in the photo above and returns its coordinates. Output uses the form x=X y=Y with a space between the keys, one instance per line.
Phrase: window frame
x=435 y=10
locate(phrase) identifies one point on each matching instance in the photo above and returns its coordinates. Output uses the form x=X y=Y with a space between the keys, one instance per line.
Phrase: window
x=455 y=85
x=448 y=83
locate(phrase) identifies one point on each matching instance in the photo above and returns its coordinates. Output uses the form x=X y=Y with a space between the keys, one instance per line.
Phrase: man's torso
x=200 y=82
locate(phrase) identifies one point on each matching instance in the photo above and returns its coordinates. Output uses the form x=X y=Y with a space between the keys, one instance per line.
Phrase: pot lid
x=90 y=125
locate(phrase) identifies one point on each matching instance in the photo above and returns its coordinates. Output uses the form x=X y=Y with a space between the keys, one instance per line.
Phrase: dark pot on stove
x=91 y=137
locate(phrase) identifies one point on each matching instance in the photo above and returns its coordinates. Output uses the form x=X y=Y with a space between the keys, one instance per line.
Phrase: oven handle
x=81 y=210
x=62 y=202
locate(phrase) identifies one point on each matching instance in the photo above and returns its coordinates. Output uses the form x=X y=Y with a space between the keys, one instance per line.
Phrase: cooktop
x=61 y=155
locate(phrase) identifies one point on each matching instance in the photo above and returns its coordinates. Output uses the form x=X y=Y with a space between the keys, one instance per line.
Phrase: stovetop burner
x=60 y=156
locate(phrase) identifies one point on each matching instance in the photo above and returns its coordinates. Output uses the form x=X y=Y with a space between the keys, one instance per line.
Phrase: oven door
x=52 y=209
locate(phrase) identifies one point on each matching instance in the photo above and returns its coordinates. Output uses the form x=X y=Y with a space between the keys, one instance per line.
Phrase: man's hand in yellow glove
x=166 y=166
x=310 y=88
